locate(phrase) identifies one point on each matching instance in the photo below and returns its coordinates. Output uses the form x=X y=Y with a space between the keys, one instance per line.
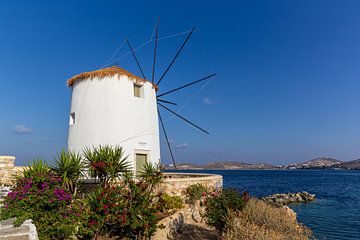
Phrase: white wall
x=107 y=112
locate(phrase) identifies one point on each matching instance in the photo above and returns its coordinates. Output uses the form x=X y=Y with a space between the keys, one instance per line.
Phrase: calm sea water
x=334 y=215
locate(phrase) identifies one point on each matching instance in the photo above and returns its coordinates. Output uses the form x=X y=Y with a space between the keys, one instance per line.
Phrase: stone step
x=26 y=231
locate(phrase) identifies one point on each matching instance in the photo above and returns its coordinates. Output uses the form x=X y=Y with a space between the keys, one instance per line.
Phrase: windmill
x=112 y=105
x=160 y=96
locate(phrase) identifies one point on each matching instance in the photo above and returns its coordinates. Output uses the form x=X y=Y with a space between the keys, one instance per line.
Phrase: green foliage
x=170 y=203
x=218 y=205
x=105 y=163
x=127 y=210
x=36 y=167
x=195 y=192
x=151 y=174
x=42 y=199
x=68 y=166
x=71 y=222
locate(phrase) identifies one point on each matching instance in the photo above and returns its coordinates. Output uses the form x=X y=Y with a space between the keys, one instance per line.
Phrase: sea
x=334 y=215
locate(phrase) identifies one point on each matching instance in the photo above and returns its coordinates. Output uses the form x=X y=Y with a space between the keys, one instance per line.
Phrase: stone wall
x=175 y=183
x=6 y=169
x=7 y=175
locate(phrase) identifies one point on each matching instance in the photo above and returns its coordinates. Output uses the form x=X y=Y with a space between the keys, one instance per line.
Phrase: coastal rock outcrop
x=287 y=198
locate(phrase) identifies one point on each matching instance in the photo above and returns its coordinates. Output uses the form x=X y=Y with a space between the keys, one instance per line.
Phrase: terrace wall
x=175 y=183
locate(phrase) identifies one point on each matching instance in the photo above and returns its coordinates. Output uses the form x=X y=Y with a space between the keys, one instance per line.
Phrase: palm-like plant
x=151 y=174
x=106 y=163
x=69 y=167
x=35 y=168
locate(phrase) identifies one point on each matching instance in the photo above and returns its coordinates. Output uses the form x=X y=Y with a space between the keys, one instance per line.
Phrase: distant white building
x=112 y=106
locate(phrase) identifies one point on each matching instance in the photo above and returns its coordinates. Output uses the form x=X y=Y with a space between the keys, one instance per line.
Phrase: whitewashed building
x=112 y=106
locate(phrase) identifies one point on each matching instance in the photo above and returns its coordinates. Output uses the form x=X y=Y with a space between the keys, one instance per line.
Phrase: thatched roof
x=106 y=72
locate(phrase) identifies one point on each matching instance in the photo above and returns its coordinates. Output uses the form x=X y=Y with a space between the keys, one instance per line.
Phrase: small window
x=72 y=118
x=138 y=91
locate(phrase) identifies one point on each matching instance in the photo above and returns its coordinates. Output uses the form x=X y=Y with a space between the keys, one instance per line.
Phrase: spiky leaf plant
x=106 y=163
x=151 y=174
x=69 y=167
x=36 y=167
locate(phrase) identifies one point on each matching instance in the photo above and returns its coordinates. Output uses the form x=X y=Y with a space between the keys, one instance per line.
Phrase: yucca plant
x=151 y=174
x=105 y=163
x=36 y=167
x=69 y=167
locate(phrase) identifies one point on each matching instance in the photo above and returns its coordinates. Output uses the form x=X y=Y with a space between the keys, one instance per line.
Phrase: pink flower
x=92 y=222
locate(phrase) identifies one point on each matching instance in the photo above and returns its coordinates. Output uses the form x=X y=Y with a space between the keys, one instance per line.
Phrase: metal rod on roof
x=164 y=101
x=187 y=85
x=155 y=48
x=183 y=118
x=167 y=140
x=137 y=61
x=177 y=54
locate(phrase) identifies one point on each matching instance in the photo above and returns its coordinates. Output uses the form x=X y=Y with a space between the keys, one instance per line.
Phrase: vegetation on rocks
x=195 y=193
x=261 y=221
x=218 y=206
x=236 y=216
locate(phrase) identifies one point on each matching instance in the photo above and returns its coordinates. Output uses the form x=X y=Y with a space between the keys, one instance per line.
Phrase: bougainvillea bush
x=42 y=199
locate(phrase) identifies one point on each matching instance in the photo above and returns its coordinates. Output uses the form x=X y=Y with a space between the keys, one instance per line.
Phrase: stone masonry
x=6 y=169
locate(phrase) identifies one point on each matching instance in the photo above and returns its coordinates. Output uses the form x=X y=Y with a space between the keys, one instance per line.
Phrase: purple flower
x=44 y=185
x=61 y=195
x=27 y=185
x=12 y=195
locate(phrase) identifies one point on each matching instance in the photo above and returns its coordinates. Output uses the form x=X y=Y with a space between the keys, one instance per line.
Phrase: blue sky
x=287 y=85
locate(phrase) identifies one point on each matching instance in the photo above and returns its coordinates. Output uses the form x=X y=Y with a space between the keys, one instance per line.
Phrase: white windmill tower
x=112 y=106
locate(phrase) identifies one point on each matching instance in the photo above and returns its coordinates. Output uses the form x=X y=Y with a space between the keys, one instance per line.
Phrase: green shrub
x=105 y=163
x=127 y=210
x=195 y=192
x=151 y=174
x=36 y=167
x=218 y=206
x=69 y=167
x=170 y=203
x=42 y=199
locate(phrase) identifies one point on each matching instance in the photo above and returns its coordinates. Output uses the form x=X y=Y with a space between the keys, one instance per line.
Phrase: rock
x=26 y=231
x=291 y=213
x=285 y=199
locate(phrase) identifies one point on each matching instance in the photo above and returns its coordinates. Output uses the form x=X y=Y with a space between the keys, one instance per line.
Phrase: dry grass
x=106 y=72
x=261 y=221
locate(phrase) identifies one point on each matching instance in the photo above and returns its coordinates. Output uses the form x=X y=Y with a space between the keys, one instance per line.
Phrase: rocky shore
x=287 y=198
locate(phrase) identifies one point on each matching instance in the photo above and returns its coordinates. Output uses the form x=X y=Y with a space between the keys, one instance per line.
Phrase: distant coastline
x=314 y=164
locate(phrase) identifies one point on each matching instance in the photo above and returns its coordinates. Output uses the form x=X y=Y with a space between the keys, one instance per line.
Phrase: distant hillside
x=355 y=165
x=319 y=163
x=223 y=165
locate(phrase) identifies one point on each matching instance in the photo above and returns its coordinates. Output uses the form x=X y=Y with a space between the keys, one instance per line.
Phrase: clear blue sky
x=287 y=85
